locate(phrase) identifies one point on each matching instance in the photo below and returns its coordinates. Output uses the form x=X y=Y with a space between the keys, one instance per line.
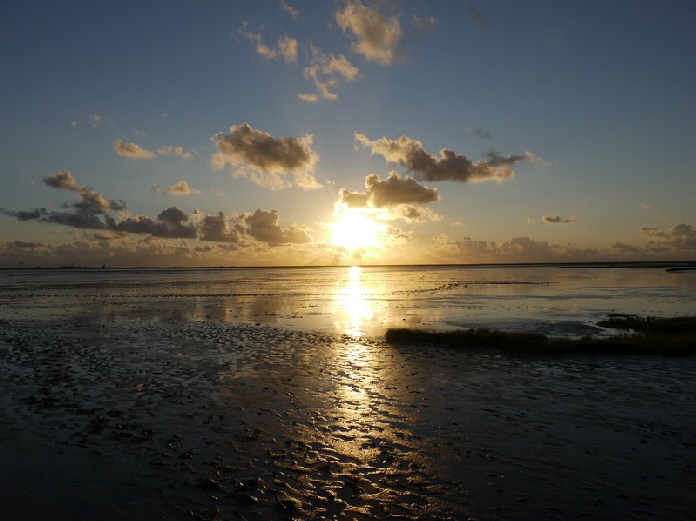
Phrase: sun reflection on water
x=352 y=308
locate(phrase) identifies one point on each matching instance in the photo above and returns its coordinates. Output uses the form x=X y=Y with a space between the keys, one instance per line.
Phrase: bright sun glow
x=357 y=231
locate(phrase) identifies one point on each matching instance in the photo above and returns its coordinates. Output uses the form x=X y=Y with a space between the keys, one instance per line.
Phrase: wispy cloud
x=287 y=47
x=132 y=150
x=375 y=36
x=325 y=71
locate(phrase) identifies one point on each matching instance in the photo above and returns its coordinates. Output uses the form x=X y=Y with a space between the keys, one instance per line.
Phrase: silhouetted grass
x=669 y=336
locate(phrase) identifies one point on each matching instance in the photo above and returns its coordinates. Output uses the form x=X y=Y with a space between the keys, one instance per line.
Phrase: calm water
x=358 y=301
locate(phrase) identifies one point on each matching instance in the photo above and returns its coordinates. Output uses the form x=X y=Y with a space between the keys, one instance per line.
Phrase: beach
x=121 y=416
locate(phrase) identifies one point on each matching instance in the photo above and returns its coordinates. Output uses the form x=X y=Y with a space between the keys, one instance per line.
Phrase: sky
x=297 y=132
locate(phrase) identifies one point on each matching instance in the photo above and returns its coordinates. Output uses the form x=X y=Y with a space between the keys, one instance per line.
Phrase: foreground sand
x=186 y=420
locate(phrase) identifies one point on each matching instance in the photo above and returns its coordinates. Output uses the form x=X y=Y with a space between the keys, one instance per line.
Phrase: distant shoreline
x=670 y=265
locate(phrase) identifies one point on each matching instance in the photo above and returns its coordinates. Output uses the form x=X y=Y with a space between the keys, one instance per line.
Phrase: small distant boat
x=684 y=269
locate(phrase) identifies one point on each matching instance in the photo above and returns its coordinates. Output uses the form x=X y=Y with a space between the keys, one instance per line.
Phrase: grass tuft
x=665 y=336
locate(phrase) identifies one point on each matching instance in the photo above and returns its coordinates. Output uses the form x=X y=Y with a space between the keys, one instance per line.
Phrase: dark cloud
x=449 y=166
x=402 y=196
x=263 y=226
x=170 y=224
x=557 y=219
x=218 y=228
x=91 y=202
x=396 y=190
x=263 y=159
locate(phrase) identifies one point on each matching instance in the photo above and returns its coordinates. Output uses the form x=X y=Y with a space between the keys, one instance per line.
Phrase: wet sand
x=212 y=420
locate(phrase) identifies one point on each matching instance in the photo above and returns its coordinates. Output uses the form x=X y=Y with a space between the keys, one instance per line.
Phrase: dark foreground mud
x=205 y=420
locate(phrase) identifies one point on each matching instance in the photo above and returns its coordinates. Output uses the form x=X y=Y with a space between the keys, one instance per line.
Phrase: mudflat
x=212 y=420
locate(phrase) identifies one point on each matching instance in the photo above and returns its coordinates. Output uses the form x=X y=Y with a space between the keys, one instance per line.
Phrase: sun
x=355 y=230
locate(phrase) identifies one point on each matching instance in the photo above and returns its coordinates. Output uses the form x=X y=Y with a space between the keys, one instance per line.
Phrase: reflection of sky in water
x=356 y=301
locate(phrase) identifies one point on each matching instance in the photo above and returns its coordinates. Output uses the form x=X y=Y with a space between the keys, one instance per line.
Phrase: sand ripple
x=209 y=420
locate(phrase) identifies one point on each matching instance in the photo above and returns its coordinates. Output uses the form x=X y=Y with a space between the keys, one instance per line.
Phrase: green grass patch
x=665 y=336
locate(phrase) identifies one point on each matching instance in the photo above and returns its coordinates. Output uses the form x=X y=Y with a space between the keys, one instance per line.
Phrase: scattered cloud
x=286 y=46
x=219 y=228
x=375 y=36
x=132 y=150
x=289 y=9
x=557 y=219
x=170 y=223
x=263 y=159
x=91 y=120
x=449 y=166
x=181 y=188
x=325 y=70
x=403 y=196
x=263 y=226
x=64 y=180
x=646 y=206
x=177 y=151
x=516 y=249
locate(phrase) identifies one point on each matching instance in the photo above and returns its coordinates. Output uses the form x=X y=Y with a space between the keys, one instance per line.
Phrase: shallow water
x=555 y=300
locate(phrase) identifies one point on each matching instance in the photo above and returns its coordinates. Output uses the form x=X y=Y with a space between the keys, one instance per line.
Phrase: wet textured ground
x=210 y=420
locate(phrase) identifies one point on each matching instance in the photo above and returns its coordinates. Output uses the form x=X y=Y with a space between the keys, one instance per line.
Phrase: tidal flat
x=211 y=420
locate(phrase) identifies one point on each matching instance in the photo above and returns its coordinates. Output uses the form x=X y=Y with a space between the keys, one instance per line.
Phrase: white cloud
x=375 y=36
x=181 y=188
x=132 y=150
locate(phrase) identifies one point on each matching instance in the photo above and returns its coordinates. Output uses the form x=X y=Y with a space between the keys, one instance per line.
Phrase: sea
x=271 y=393
x=554 y=299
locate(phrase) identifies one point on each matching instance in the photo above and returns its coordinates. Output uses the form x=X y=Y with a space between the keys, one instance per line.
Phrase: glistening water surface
x=555 y=300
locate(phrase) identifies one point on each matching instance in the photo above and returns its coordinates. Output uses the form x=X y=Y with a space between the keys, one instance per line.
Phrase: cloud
x=450 y=166
x=170 y=223
x=263 y=226
x=403 y=196
x=181 y=188
x=681 y=237
x=132 y=150
x=646 y=206
x=325 y=70
x=92 y=120
x=289 y=9
x=653 y=231
x=219 y=229
x=395 y=190
x=286 y=49
x=64 y=180
x=557 y=219
x=375 y=36
x=177 y=151
x=516 y=249
x=91 y=202
x=263 y=159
